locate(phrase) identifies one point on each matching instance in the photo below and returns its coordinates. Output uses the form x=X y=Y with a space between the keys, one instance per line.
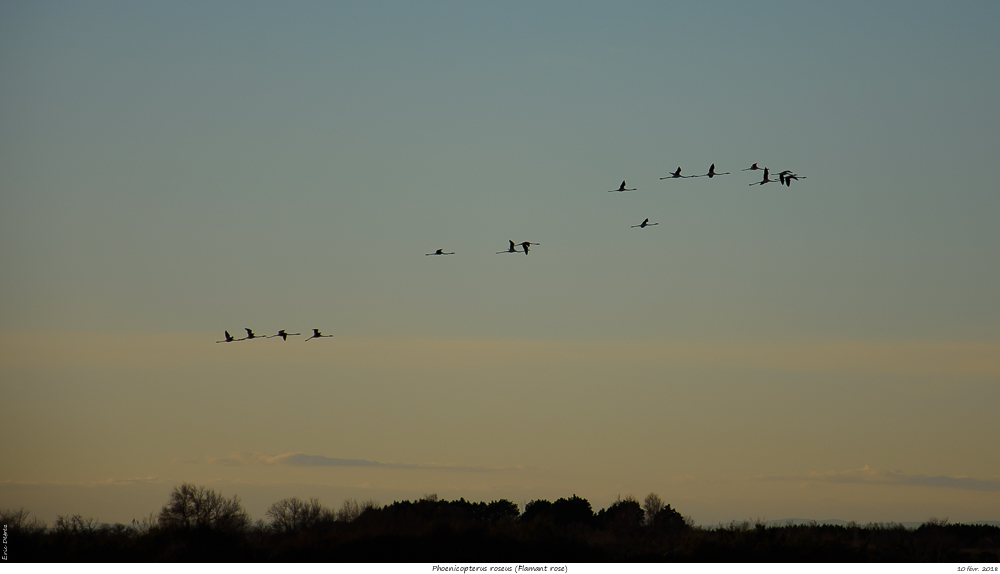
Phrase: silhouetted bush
x=562 y=512
x=537 y=510
x=572 y=510
x=624 y=516
x=669 y=520
x=498 y=512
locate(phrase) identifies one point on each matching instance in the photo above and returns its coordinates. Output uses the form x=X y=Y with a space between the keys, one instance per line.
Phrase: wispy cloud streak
x=868 y=475
x=303 y=459
x=107 y=482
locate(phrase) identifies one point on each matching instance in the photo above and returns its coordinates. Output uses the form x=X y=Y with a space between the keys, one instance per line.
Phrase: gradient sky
x=170 y=170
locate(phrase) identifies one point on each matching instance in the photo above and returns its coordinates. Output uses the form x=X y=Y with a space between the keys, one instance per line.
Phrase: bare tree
x=17 y=520
x=193 y=506
x=144 y=524
x=351 y=509
x=652 y=505
x=14 y=518
x=75 y=524
x=293 y=514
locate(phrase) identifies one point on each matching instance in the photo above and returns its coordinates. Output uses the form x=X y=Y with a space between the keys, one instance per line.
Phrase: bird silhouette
x=317 y=335
x=284 y=336
x=622 y=188
x=645 y=223
x=525 y=244
x=790 y=177
x=711 y=173
x=751 y=168
x=677 y=175
x=511 y=249
x=250 y=335
x=440 y=252
x=765 y=180
x=229 y=338
x=785 y=177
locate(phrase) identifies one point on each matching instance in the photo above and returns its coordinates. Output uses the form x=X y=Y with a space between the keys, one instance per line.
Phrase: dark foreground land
x=198 y=525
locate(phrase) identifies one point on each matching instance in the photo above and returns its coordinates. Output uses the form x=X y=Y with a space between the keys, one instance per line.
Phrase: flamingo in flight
x=622 y=188
x=765 y=180
x=752 y=167
x=284 y=336
x=440 y=252
x=677 y=175
x=525 y=244
x=790 y=177
x=317 y=335
x=511 y=249
x=645 y=223
x=785 y=177
x=229 y=338
x=250 y=335
x=711 y=173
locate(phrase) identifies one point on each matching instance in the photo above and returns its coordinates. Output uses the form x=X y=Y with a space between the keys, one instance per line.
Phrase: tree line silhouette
x=199 y=524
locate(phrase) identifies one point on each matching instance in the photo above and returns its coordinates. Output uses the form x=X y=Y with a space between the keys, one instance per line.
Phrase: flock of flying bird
x=284 y=336
x=785 y=178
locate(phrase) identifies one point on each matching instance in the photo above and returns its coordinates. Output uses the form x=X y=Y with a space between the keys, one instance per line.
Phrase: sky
x=173 y=170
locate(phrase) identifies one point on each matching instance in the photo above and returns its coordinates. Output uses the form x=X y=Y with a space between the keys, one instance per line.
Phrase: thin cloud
x=288 y=459
x=869 y=475
x=106 y=482
x=303 y=459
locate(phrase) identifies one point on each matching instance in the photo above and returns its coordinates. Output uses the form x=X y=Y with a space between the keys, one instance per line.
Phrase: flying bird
x=677 y=175
x=525 y=244
x=229 y=338
x=751 y=168
x=440 y=252
x=785 y=177
x=790 y=177
x=284 y=336
x=765 y=180
x=711 y=173
x=250 y=335
x=645 y=223
x=622 y=188
x=317 y=335
x=511 y=249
